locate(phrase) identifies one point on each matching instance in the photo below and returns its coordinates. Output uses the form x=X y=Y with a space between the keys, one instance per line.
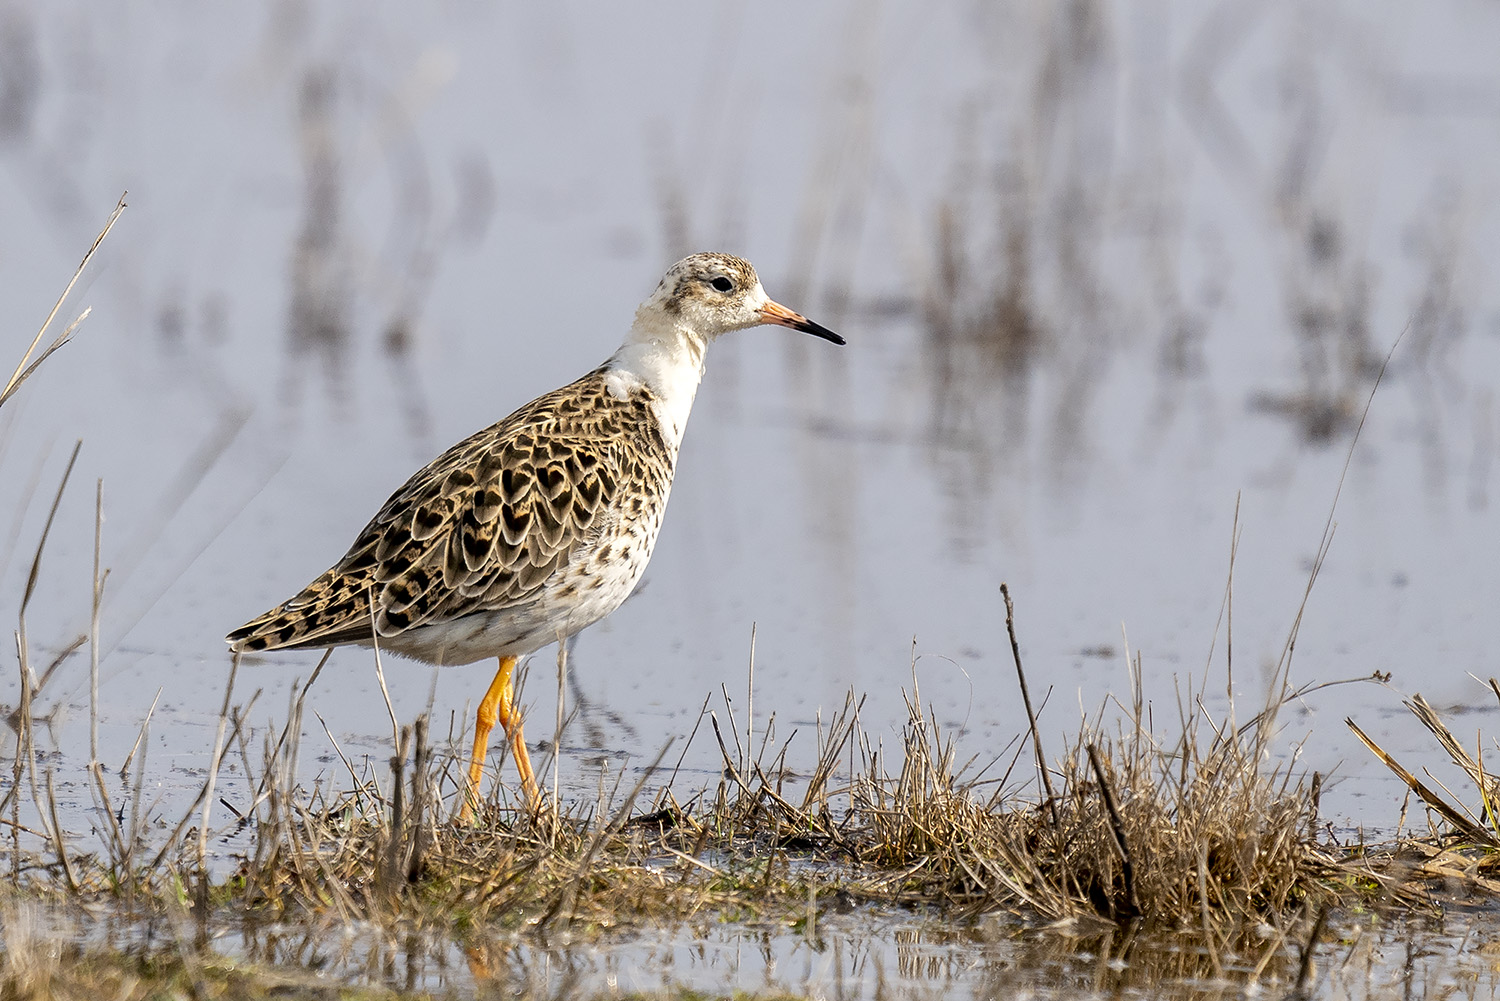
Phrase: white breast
x=670 y=366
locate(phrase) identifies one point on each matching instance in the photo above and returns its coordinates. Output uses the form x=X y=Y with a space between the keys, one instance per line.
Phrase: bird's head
x=709 y=294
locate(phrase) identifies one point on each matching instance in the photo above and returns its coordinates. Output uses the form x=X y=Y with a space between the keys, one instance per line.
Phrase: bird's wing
x=479 y=529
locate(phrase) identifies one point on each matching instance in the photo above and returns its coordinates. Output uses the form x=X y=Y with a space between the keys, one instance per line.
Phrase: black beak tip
x=818 y=330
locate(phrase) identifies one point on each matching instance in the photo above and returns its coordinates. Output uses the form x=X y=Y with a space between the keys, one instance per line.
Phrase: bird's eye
x=722 y=284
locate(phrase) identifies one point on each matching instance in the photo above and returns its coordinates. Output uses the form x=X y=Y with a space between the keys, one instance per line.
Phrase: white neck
x=668 y=360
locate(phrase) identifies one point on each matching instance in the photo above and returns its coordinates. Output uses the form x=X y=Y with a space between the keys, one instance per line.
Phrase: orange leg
x=498 y=706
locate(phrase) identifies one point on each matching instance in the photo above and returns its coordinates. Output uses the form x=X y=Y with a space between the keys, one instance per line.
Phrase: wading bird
x=530 y=530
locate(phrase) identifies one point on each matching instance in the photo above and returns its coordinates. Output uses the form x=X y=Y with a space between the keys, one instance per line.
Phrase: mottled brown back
x=483 y=526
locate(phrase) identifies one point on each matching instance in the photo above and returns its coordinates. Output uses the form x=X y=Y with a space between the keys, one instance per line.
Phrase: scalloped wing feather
x=486 y=524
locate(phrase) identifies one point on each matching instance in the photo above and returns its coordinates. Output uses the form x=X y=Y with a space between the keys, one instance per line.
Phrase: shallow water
x=1112 y=275
x=867 y=953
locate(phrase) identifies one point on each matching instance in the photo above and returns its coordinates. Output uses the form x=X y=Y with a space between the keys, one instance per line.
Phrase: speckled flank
x=568 y=482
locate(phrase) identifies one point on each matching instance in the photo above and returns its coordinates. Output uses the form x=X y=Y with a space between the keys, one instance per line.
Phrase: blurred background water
x=1117 y=278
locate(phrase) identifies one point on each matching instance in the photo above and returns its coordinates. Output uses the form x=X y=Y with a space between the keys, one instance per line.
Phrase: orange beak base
x=775 y=312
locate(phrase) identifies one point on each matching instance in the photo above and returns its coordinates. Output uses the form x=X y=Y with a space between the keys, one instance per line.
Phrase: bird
x=539 y=525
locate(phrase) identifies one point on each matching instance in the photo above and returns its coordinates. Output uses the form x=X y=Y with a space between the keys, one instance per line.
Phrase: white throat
x=667 y=360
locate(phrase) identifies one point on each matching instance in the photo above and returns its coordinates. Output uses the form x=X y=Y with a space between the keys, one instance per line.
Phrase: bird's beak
x=775 y=312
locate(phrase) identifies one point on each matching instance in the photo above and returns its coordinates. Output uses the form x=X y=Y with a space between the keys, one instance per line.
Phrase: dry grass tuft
x=1192 y=832
x=1184 y=832
x=1458 y=859
x=1198 y=835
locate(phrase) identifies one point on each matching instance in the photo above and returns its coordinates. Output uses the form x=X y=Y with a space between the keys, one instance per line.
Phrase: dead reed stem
x=1036 y=734
x=27 y=366
x=36 y=561
x=1117 y=826
x=57 y=838
x=1434 y=802
x=96 y=602
x=213 y=763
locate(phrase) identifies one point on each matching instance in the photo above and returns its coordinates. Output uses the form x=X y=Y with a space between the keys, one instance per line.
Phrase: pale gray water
x=864 y=953
x=359 y=232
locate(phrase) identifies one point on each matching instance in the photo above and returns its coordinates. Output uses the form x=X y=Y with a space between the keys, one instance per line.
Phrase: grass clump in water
x=1200 y=840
